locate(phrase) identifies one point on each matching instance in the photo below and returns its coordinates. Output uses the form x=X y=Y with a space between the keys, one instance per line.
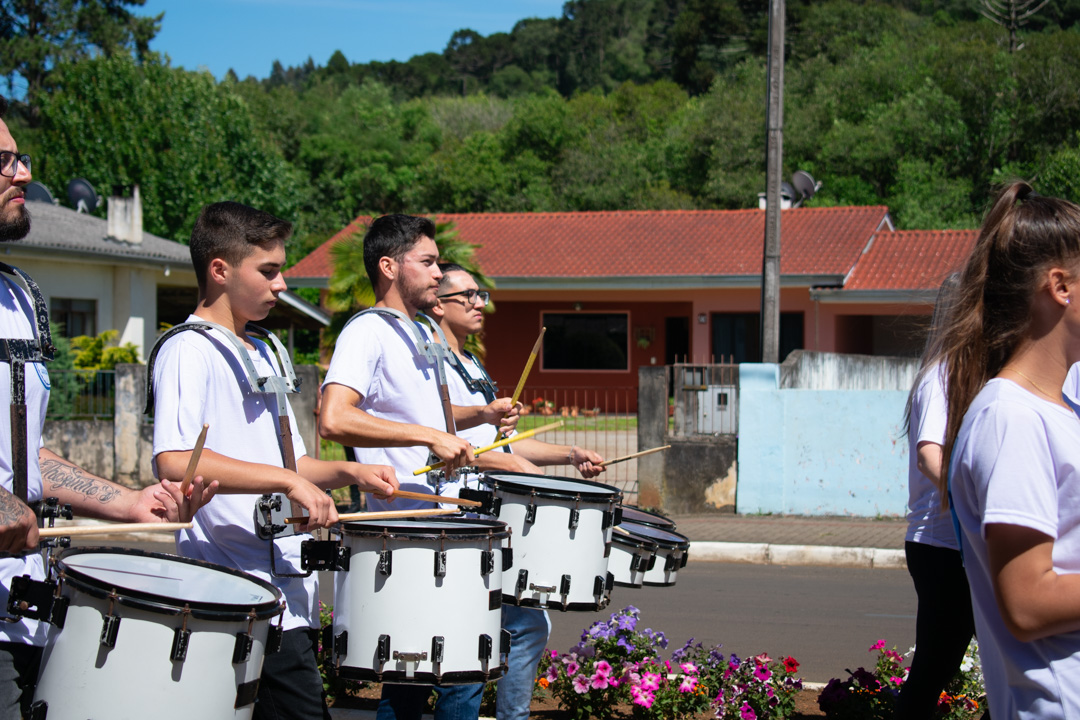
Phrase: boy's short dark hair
x=228 y=230
x=446 y=269
x=392 y=236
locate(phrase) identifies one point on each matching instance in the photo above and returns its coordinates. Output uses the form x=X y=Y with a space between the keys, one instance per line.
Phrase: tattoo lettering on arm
x=61 y=476
x=10 y=508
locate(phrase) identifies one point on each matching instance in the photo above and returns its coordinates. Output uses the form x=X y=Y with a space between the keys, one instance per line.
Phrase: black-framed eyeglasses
x=9 y=163
x=471 y=296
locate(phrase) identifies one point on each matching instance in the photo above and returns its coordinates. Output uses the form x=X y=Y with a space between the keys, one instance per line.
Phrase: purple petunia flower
x=603 y=668
x=572 y=668
x=688 y=684
x=599 y=681
x=644 y=698
x=762 y=673
x=552 y=673
x=650 y=681
x=746 y=712
x=689 y=668
x=581 y=684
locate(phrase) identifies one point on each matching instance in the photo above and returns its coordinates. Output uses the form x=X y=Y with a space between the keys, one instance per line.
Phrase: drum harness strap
x=437 y=354
x=279 y=385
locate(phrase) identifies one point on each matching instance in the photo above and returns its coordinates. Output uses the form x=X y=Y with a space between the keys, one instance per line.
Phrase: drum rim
x=480 y=528
x=634 y=540
x=684 y=543
x=163 y=604
x=665 y=523
x=518 y=488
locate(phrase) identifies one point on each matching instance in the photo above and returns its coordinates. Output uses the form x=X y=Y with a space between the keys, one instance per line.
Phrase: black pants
x=943 y=628
x=19 y=666
x=290 y=687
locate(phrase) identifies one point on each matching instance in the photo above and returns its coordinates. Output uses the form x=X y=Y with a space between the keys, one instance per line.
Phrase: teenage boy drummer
x=198 y=378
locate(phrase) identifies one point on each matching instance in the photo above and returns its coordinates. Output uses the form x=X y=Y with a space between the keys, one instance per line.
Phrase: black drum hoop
x=465 y=530
x=458 y=677
x=161 y=604
x=507 y=482
x=660 y=523
x=683 y=543
x=634 y=540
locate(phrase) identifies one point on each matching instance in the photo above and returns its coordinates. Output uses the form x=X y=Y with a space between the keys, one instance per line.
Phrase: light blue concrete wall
x=819 y=452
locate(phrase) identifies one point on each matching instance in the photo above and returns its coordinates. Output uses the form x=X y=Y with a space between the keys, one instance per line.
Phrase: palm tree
x=350 y=286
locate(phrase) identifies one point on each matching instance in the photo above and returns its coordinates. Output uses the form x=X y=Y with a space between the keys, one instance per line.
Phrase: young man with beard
x=48 y=474
x=381 y=398
x=459 y=313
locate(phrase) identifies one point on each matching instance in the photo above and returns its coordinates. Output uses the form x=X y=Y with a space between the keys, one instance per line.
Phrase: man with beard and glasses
x=48 y=475
x=381 y=398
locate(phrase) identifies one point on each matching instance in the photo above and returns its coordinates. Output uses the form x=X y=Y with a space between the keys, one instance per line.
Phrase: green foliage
x=64 y=384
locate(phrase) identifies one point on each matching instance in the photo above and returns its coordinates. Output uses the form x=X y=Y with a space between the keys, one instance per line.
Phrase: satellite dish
x=36 y=192
x=788 y=192
x=805 y=184
x=82 y=195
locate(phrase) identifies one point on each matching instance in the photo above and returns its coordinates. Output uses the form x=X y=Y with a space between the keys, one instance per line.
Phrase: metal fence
x=81 y=394
x=600 y=419
x=705 y=399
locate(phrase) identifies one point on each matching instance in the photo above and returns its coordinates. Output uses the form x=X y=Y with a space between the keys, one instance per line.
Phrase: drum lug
x=508 y=558
x=38 y=711
x=440 y=563
x=246 y=693
x=530 y=513
x=564 y=587
x=685 y=558
x=274 y=635
x=181 y=637
x=109 y=628
x=490 y=505
x=242 y=649
x=504 y=642
x=494 y=599
x=382 y=653
x=574 y=516
x=438 y=644
x=598 y=586
x=485 y=647
x=324 y=555
x=607 y=549
x=671 y=562
x=522 y=582
x=652 y=562
x=638 y=563
x=37 y=600
x=341 y=642
x=386 y=562
x=487 y=562
x=611 y=518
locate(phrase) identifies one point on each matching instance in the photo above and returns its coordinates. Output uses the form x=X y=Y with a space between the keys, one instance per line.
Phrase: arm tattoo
x=10 y=508
x=61 y=476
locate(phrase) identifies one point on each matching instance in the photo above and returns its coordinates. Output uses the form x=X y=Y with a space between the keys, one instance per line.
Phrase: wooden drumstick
x=499 y=444
x=193 y=463
x=113 y=529
x=524 y=374
x=635 y=455
x=434 y=498
x=382 y=515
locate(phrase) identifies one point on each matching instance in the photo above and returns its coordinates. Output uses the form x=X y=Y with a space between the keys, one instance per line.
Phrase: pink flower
x=599 y=681
x=603 y=668
x=572 y=668
x=644 y=698
x=689 y=668
x=877 y=646
x=746 y=712
x=581 y=684
x=650 y=681
x=552 y=673
x=554 y=654
x=762 y=673
x=896 y=680
x=762 y=659
x=688 y=683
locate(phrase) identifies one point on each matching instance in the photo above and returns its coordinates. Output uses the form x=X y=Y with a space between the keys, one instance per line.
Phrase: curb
x=807 y=555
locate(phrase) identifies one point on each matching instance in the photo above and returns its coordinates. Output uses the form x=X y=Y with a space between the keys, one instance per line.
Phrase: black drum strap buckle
x=37 y=600
x=324 y=555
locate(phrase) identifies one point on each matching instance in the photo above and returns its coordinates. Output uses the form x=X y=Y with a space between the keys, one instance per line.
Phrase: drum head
x=625 y=538
x=550 y=487
x=663 y=538
x=644 y=517
x=427 y=528
x=156 y=580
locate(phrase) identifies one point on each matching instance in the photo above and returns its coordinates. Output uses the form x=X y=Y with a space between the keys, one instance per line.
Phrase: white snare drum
x=672 y=552
x=153 y=635
x=631 y=556
x=421 y=601
x=631 y=513
x=562 y=537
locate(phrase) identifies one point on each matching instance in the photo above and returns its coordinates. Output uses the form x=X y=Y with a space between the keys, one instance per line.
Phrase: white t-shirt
x=927 y=522
x=377 y=357
x=478 y=435
x=199 y=378
x=1017 y=462
x=16 y=321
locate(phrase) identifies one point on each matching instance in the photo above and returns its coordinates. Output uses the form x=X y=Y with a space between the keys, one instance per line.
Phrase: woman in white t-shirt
x=1014 y=447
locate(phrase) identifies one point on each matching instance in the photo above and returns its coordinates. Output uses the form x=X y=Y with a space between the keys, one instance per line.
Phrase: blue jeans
x=406 y=702
x=529 y=629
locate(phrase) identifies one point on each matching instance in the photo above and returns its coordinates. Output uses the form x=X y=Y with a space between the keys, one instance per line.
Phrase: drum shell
x=631 y=557
x=81 y=678
x=547 y=548
x=672 y=551
x=413 y=606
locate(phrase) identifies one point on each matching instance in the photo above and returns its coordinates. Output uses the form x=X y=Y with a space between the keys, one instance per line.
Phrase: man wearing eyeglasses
x=459 y=313
x=47 y=473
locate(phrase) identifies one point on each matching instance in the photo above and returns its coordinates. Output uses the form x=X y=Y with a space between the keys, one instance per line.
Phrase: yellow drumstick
x=499 y=444
x=115 y=529
x=524 y=374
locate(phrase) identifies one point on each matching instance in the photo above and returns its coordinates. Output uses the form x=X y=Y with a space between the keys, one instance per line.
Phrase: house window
x=78 y=317
x=736 y=337
x=586 y=341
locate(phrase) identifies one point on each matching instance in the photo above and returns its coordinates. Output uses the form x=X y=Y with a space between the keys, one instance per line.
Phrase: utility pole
x=774 y=120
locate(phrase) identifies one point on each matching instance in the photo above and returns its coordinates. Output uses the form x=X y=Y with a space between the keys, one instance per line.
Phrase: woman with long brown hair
x=1014 y=444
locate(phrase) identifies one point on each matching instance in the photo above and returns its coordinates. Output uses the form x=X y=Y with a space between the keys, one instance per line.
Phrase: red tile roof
x=911 y=259
x=815 y=241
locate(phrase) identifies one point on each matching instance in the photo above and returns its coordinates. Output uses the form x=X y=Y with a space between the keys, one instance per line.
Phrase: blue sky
x=248 y=35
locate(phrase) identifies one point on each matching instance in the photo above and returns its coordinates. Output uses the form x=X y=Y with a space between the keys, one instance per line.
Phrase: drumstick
x=635 y=455
x=113 y=529
x=499 y=444
x=525 y=373
x=382 y=515
x=193 y=463
x=435 y=498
